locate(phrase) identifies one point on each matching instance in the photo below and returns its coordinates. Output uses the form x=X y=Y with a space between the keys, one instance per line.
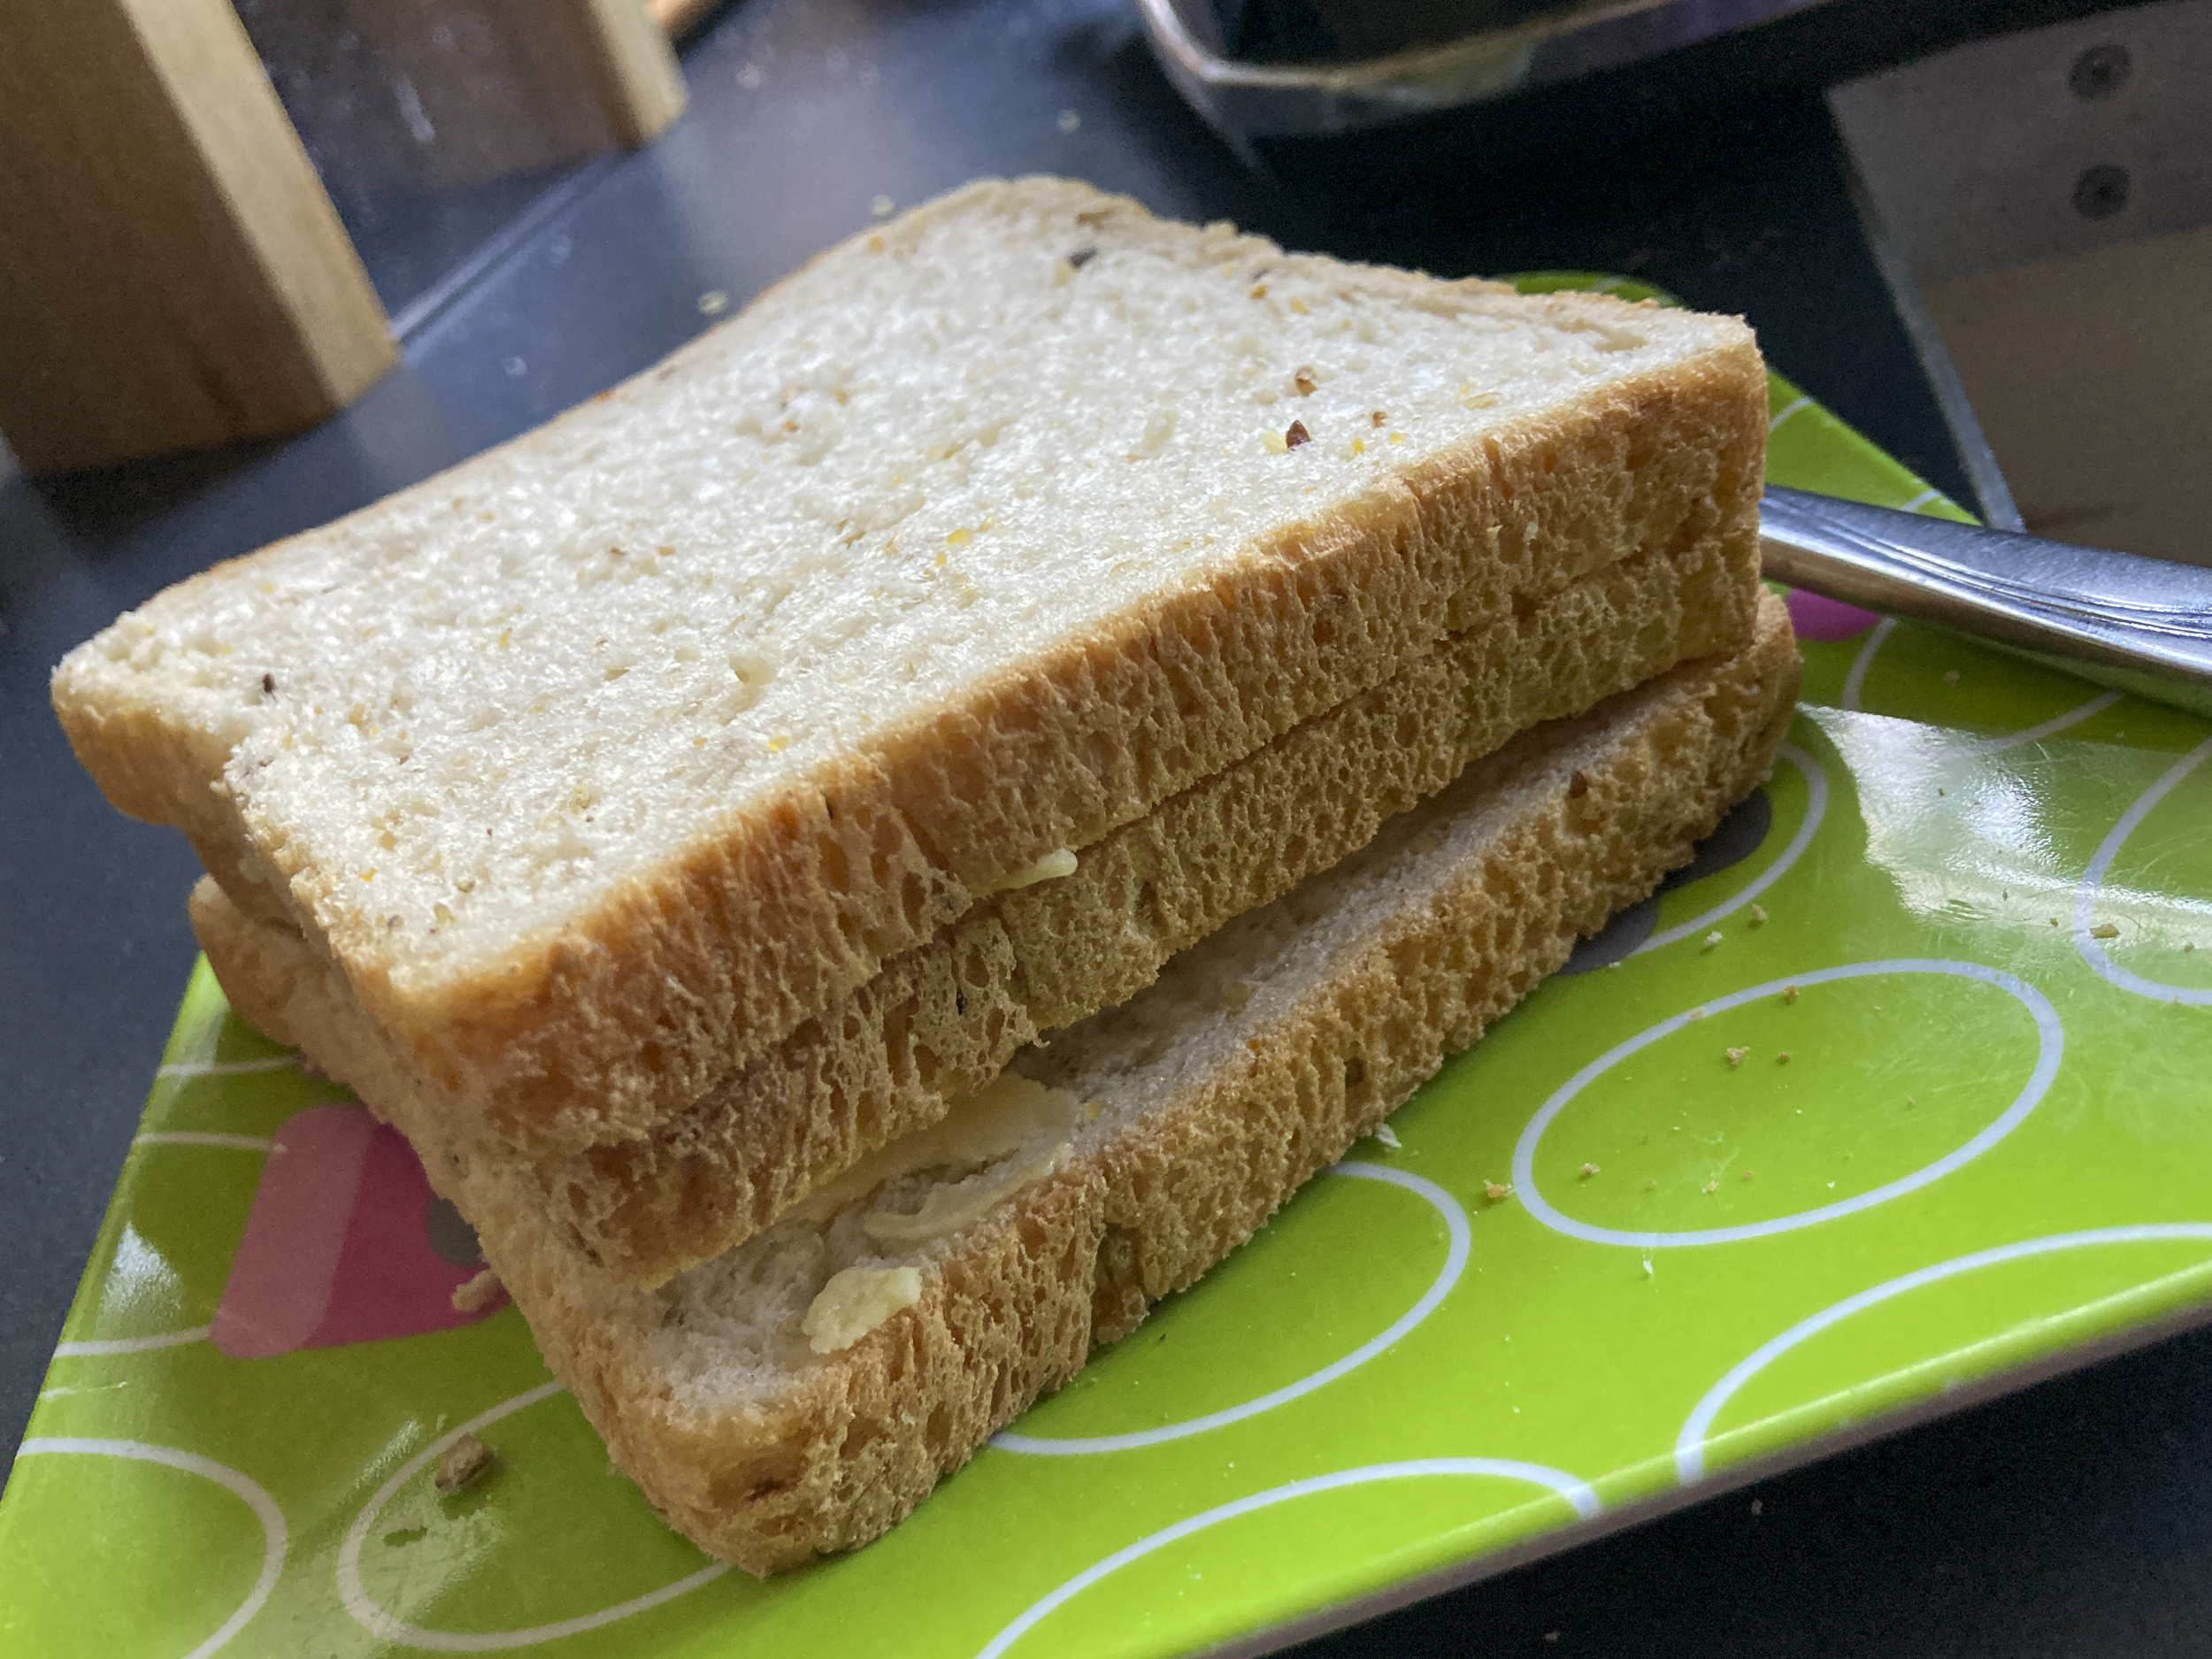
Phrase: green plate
x=1749 y=1219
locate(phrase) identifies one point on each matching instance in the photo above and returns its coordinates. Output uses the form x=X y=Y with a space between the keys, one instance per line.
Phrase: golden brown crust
x=628 y=1014
x=851 y=1443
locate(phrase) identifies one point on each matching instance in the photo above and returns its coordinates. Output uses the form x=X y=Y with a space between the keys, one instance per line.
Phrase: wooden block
x=175 y=276
x=2092 y=373
x=492 y=86
x=678 y=17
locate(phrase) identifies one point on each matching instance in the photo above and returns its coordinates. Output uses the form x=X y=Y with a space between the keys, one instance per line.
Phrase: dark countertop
x=2072 y=1518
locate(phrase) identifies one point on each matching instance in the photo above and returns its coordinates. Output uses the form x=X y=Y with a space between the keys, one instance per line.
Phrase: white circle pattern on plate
x=1689 y=1444
x=1461 y=1239
x=1815 y=810
x=2050 y=1044
x=377 y=1622
x=1855 y=692
x=1576 y=1492
x=2092 y=950
x=256 y=1497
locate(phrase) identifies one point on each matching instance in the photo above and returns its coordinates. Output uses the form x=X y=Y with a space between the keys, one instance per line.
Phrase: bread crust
x=630 y=1010
x=1573 y=822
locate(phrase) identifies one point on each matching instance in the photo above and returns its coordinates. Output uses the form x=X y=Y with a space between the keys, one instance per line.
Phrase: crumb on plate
x=461 y=1464
x=473 y=1295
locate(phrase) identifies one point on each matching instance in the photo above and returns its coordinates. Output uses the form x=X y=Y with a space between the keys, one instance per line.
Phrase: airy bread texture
x=1199 y=1105
x=944 y=1019
x=600 y=763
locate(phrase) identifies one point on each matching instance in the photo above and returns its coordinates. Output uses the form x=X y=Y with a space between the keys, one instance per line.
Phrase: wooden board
x=175 y=276
x=678 y=17
x=2092 y=373
x=485 y=88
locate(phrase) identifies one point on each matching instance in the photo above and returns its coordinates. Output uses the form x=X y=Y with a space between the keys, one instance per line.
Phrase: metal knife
x=2143 y=625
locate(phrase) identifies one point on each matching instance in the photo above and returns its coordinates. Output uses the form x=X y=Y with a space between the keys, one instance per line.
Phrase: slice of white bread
x=599 y=763
x=1258 y=1058
x=946 y=1017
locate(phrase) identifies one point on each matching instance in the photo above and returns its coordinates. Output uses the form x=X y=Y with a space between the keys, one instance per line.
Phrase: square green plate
x=1898 y=1091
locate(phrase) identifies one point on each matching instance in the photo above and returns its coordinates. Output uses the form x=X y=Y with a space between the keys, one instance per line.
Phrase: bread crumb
x=1712 y=1187
x=1758 y=916
x=1748 y=1174
x=1696 y=1013
x=1647 y=1269
x=463 y=1463
x=1757 y=1508
x=1736 y=1056
x=1912 y=1099
x=713 y=302
x=2054 y=921
x=1588 y=1170
x=1497 y=1192
x=1388 y=1136
x=881 y=207
x=1789 y=993
x=1070 y=120
x=1712 y=939
x=2104 y=930
x=1950 y=676
x=1651 y=1186
x=476 y=1294
x=1782 y=1058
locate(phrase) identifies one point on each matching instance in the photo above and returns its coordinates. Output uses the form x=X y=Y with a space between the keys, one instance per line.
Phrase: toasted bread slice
x=600 y=763
x=799 y=1395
